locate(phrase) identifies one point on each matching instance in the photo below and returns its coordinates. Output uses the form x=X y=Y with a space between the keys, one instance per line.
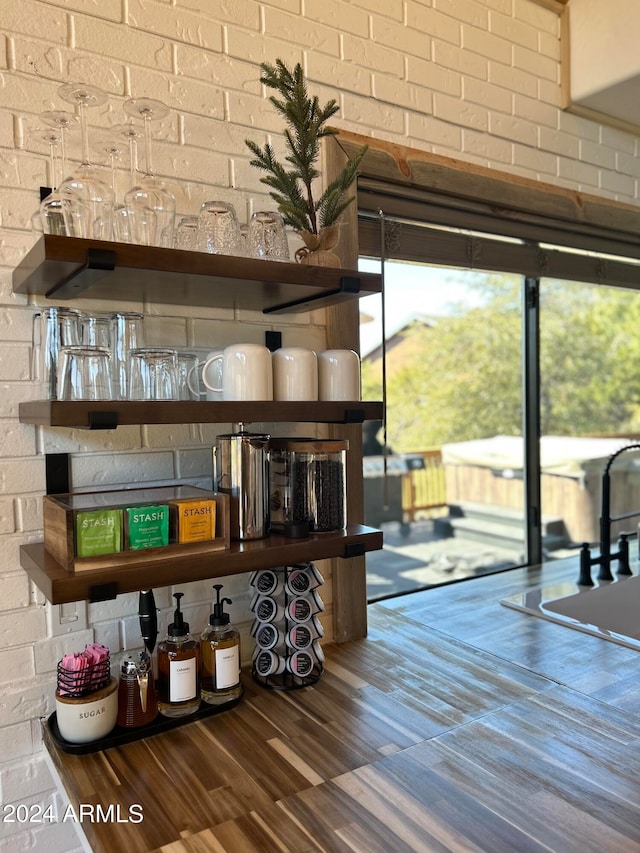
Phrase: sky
x=410 y=289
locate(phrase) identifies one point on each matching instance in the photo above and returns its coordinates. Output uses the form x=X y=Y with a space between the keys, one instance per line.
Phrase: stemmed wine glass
x=48 y=216
x=114 y=148
x=87 y=199
x=151 y=204
x=58 y=123
x=123 y=230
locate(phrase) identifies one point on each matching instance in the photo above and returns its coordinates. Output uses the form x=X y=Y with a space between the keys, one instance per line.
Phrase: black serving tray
x=120 y=735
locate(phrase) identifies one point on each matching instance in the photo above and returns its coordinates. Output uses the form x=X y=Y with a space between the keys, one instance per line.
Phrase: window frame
x=556 y=233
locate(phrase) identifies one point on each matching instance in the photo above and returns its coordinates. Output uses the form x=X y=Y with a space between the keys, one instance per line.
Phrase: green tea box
x=98 y=531
x=147 y=526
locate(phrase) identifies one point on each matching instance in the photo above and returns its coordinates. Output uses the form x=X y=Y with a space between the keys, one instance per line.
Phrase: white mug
x=338 y=375
x=247 y=373
x=295 y=374
x=211 y=368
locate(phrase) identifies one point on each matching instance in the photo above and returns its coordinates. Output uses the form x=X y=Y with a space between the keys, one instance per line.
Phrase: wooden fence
x=423 y=489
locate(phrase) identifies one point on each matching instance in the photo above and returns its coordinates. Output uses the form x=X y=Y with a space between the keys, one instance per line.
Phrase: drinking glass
x=127 y=334
x=48 y=217
x=95 y=330
x=153 y=374
x=114 y=148
x=187 y=234
x=85 y=373
x=266 y=237
x=51 y=214
x=218 y=229
x=188 y=376
x=62 y=121
x=152 y=204
x=87 y=199
x=53 y=329
x=123 y=230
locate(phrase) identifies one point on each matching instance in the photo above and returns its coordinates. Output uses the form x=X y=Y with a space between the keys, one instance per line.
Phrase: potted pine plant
x=291 y=184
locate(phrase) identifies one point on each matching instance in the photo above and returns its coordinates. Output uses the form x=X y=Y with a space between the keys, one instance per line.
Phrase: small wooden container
x=107 y=511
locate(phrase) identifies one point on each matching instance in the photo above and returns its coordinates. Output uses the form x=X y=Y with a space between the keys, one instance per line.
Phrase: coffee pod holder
x=279 y=665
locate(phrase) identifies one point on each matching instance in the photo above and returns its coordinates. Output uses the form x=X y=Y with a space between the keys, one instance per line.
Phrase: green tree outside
x=462 y=379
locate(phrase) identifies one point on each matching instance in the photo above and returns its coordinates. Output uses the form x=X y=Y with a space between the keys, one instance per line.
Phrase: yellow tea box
x=98 y=531
x=195 y=521
x=147 y=526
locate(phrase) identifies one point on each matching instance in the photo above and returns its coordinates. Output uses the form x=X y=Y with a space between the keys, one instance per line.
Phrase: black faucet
x=606 y=520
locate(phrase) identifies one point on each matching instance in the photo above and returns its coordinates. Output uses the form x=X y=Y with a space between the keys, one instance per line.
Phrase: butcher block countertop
x=457 y=725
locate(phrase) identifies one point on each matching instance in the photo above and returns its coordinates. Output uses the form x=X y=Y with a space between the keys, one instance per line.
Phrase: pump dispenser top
x=219 y=617
x=178 y=628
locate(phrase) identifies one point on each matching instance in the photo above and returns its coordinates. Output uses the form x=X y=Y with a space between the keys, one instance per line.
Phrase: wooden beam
x=412 y=167
x=343 y=332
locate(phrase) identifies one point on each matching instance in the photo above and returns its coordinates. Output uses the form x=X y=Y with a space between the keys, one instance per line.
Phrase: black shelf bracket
x=353 y=549
x=99 y=261
x=103 y=591
x=103 y=420
x=353 y=416
x=57 y=473
x=349 y=286
x=272 y=340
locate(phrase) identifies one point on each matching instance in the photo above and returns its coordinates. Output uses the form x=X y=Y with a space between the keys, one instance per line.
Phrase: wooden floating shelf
x=110 y=414
x=61 y=268
x=60 y=586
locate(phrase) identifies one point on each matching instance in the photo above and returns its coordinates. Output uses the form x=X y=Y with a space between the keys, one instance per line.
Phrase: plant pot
x=317 y=247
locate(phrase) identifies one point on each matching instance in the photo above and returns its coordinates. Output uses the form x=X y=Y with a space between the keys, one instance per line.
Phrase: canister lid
x=309 y=445
x=239 y=436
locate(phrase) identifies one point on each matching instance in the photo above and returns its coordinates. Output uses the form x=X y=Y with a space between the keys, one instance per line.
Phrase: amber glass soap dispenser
x=220 y=649
x=178 y=668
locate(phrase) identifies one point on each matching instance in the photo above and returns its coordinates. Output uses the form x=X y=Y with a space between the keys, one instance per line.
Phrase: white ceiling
x=604 y=57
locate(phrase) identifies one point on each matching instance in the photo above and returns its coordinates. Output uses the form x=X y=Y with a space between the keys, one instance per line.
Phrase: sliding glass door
x=589 y=404
x=450 y=495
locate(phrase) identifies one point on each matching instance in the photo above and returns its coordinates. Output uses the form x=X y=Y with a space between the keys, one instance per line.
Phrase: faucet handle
x=623 y=554
x=585 y=578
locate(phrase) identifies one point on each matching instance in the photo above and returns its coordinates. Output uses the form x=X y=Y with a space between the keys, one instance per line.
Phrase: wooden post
x=343 y=332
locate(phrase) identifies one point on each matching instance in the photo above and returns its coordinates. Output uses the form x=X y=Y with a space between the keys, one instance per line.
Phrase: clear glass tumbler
x=153 y=374
x=53 y=328
x=218 y=229
x=85 y=373
x=266 y=237
x=127 y=333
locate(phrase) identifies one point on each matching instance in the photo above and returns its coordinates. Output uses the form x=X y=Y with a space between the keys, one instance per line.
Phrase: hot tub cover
x=559 y=454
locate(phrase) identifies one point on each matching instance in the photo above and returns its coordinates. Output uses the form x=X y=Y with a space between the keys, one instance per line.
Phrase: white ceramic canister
x=88 y=718
x=295 y=374
x=338 y=375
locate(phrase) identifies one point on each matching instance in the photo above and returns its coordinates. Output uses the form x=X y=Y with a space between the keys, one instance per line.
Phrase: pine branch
x=332 y=203
x=306 y=123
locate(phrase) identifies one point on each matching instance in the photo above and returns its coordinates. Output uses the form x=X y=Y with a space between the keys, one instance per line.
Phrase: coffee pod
x=303 y=663
x=317 y=651
x=267 y=609
x=268 y=663
x=301 y=579
x=268 y=582
x=303 y=607
x=269 y=636
x=302 y=636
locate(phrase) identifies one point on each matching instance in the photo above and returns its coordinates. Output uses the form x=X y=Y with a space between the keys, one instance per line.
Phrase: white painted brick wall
x=474 y=79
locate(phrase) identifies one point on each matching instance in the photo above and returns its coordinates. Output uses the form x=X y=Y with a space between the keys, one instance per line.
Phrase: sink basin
x=609 y=610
